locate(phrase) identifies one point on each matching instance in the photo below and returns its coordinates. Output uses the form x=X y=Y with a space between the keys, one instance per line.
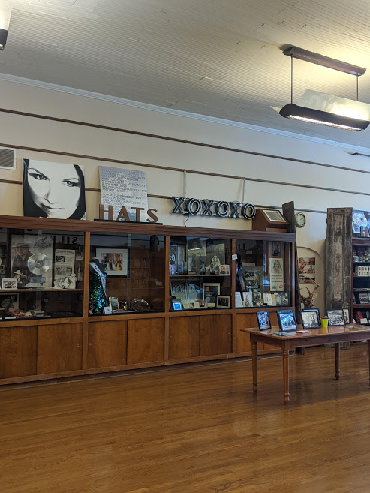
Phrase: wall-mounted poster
x=123 y=187
x=276 y=269
x=53 y=190
x=306 y=269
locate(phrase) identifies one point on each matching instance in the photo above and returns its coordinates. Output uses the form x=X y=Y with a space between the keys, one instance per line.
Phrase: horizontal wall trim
x=170 y=168
x=181 y=141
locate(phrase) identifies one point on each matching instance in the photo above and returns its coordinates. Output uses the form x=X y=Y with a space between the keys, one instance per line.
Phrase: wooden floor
x=193 y=430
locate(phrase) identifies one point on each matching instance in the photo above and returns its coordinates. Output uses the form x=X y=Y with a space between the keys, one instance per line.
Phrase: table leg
x=254 y=365
x=337 y=370
x=286 y=375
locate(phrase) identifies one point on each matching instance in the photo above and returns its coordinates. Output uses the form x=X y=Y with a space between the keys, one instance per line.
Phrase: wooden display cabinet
x=63 y=335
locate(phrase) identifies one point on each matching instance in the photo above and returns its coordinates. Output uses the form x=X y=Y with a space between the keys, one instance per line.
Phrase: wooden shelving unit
x=41 y=349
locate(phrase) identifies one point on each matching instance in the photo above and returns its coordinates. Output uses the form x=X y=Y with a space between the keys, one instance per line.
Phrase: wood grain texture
x=59 y=348
x=184 y=337
x=338 y=265
x=107 y=344
x=193 y=430
x=145 y=340
x=18 y=351
x=215 y=335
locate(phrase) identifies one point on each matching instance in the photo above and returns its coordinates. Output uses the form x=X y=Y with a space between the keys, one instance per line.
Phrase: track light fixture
x=292 y=111
x=5 y=13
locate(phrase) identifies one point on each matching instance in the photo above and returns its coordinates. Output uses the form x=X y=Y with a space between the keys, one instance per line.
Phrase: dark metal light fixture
x=5 y=13
x=301 y=113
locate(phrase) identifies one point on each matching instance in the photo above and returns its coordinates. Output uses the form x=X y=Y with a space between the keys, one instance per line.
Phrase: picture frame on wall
x=9 y=283
x=311 y=318
x=115 y=261
x=336 y=317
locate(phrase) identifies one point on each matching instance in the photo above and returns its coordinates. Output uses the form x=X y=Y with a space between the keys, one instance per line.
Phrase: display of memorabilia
x=260 y=271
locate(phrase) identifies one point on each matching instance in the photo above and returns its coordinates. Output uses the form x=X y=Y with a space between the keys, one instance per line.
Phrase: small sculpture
x=309 y=298
x=215 y=265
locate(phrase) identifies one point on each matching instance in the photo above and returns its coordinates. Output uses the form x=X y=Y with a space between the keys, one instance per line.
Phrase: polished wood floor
x=193 y=430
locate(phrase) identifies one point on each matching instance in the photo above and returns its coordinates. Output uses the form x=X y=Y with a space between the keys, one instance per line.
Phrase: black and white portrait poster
x=276 y=274
x=53 y=190
x=123 y=187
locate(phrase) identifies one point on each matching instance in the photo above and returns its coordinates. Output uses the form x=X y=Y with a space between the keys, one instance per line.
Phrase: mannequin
x=97 y=287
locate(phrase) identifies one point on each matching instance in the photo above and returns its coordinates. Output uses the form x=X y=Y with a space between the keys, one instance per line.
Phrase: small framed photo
x=311 y=318
x=115 y=261
x=223 y=301
x=9 y=283
x=346 y=315
x=336 y=317
x=176 y=306
x=114 y=304
x=263 y=319
x=287 y=321
x=225 y=270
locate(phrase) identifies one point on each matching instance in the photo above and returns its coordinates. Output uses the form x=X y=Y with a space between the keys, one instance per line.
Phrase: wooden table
x=314 y=337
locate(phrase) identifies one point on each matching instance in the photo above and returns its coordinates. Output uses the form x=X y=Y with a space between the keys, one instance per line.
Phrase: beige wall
x=63 y=137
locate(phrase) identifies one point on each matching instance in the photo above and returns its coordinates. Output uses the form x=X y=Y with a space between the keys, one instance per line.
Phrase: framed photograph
x=9 y=283
x=276 y=248
x=115 y=261
x=346 y=315
x=263 y=319
x=311 y=318
x=336 y=317
x=114 y=304
x=210 y=292
x=287 y=321
x=223 y=301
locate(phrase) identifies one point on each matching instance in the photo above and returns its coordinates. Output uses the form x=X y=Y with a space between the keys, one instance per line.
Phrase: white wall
x=63 y=137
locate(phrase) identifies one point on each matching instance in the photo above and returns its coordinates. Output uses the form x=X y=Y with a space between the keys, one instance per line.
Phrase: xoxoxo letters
x=206 y=207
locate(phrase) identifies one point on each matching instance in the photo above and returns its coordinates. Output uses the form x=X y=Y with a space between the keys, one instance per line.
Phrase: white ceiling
x=220 y=58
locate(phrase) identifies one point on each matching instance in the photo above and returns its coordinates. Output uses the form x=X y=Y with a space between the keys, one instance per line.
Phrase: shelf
x=33 y=290
x=361 y=263
x=200 y=275
x=361 y=305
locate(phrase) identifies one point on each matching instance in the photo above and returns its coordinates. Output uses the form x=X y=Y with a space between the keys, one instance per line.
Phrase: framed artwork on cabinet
x=115 y=261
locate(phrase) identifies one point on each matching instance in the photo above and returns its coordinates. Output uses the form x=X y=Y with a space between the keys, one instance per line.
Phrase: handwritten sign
x=123 y=187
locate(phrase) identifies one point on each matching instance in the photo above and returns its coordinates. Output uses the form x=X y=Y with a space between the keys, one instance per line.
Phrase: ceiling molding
x=173 y=112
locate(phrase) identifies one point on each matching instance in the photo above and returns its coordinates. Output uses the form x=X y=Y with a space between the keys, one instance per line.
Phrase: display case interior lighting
x=337 y=118
x=5 y=14
x=194 y=244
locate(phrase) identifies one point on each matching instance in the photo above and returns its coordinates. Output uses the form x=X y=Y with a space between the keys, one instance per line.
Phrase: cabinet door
x=145 y=340
x=59 y=348
x=245 y=321
x=215 y=335
x=18 y=350
x=184 y=337
x=107 y=344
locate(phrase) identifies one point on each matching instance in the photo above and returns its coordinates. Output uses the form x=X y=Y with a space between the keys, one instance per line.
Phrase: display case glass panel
x=199 y=273
x=126 y=274
x=361 y=283
x=262 y=273
x=41 y=274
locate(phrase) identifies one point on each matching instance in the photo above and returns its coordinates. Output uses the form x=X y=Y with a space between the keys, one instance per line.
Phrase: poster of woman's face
x=53 y=190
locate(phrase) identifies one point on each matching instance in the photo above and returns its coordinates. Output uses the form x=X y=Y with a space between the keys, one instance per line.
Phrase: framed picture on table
x=311 y=318
x=287 y=321
x=263 y=319
x=336 y=317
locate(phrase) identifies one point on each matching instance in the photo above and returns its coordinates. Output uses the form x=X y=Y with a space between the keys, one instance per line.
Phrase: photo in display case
x=260 y=270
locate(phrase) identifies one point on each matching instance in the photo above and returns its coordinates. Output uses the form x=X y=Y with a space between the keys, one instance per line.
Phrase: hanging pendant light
x=5 y=14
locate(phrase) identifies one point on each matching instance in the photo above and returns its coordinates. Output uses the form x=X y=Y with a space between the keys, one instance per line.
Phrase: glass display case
x=361 y=283
x=126 y=274
x=199 y=273
x=41 y=274
x=262 y=273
